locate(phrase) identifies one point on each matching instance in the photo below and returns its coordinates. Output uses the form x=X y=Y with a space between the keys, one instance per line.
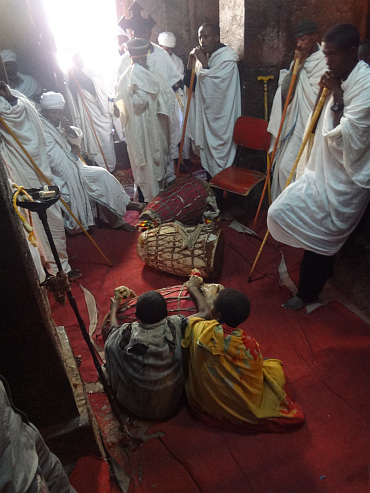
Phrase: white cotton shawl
x=146 y=102
x=215 y=107
x=297 y=116
x=320 y=210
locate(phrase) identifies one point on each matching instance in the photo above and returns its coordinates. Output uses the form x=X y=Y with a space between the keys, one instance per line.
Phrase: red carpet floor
x=326 y=359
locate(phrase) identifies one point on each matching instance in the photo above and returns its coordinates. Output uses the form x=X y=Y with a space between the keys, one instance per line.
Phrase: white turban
x=52 y=101
x=75 y=140
x=167 y=39
x=8 y=56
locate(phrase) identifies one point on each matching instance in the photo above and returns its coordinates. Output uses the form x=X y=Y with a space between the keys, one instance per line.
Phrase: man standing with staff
x=215 y=105
x=304 y=93
x=320 y=210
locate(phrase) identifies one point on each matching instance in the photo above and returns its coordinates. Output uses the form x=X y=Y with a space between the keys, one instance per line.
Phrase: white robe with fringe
x=24 y=121
x=215 y=107
x=296 y=118
x=81 y=185
x=146 y=102
x=321 y=209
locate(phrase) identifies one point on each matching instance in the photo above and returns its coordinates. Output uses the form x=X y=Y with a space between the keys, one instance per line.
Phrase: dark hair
x=151 y=307
x=343 y=36
x=233 y=307
x=215 y=29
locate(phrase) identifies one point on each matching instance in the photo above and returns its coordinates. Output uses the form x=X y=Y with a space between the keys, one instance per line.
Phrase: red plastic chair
x=250 y=133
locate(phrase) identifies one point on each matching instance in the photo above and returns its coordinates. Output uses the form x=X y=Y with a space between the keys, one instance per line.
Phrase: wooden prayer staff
x=47 y=181
x=90 y=120
x=190 y=91
x=290 y=90
x=307 y=135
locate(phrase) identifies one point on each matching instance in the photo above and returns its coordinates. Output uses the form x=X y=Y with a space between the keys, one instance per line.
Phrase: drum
x=186 y=201
x=178 y=249
x=178 y=299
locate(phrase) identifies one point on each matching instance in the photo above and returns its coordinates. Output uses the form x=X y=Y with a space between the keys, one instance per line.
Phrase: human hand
x=331 y=83
x=114 y=305
x=66 y=125
x=5 y=92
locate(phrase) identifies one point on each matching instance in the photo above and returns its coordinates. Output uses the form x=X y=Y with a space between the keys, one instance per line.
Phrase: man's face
x=339 y=61
x=208 y=40
x=54 y=116
x=307 y=43
x=166 y=48
x=11 y=69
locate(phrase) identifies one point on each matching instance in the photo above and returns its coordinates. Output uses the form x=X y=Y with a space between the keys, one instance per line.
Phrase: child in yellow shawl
x=229 y=385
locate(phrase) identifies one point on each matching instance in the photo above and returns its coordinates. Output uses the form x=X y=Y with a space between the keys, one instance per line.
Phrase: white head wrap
x=52 y=101
x=167 y=39
x=75 y=140
x=8 y=56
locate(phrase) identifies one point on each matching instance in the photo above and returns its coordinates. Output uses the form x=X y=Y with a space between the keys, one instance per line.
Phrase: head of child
x=231 y=307
x=151 y=307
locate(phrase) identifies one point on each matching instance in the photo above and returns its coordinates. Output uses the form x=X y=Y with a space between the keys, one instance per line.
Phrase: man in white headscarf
x=23 y=120
x=216 y=103
x=311 y=67
x=323 y=206
x=146 y=102
x=23 y=83
x=93 y=113
x=84 y=188
x=167 y=41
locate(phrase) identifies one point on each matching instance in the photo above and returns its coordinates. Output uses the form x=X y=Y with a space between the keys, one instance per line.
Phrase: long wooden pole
x=307 y=135
x=287 y=101
x=90 y=120
x=190 y=90
x=46 y=180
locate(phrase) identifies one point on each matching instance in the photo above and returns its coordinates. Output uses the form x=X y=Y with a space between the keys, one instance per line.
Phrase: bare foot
x=294 y=303
x=136 y=206
x=126 y=227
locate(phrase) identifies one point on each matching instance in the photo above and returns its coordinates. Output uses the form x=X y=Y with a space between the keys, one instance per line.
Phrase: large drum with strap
x=186 y=201
x=178 y=299
x=178 y=249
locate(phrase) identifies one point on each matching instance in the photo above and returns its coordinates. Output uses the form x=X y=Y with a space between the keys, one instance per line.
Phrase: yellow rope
x=28 y=226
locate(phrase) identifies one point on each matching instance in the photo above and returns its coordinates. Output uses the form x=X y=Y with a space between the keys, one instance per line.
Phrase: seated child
x=229 y=385
x=143 y=358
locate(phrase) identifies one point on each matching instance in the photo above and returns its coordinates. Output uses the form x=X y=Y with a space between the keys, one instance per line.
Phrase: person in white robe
x=159 y=62
x=95 y=110
x=21 y=117
x=216 y=103
x=88 y=190
x=167 y=41
x=312 y=66
x=23 y=83
x=146 y=103
x=26 y=463
x=324 y=205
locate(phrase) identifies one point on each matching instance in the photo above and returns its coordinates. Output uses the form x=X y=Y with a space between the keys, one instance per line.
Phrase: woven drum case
x=184 y=201
x=178 y=249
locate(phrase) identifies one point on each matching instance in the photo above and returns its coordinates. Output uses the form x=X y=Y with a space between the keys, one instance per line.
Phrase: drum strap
x=189 y=239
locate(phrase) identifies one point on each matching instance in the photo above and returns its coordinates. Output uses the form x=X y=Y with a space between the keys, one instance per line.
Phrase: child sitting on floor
x=143 y=358
x=229 y=385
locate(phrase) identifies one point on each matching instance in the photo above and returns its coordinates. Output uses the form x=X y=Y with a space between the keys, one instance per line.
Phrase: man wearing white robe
x=216 y=103
x=21 y=117
x=83 y=187
x=167 y=41
x=320 y=210
x=159 y=62
x=23 y=83
x=146 y=103
x=95 y=111
x=312 y=67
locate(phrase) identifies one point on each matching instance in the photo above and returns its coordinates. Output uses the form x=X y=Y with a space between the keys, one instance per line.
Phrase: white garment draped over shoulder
x=29 y=86
x=82 y=185
x=100 y=111
x=297 y=115
x=146 y=102
x=215 y=107
x=24 y=121
x=320 y=210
